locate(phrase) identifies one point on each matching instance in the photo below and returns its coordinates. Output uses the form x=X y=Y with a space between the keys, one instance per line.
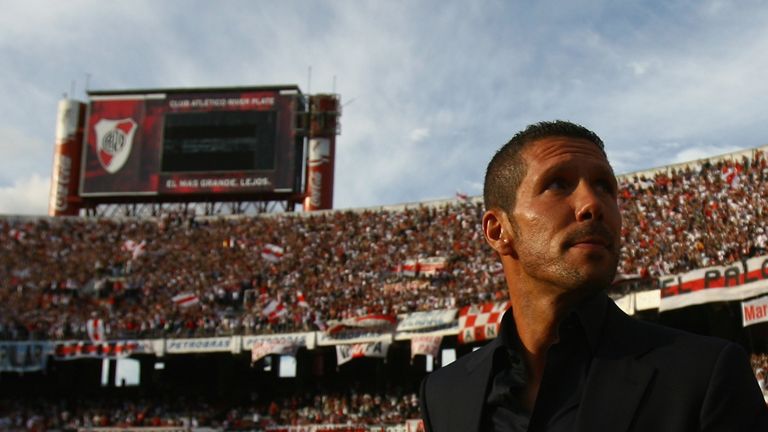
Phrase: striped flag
x=272 y=253
x=274 y=310
x=95 y=328
x=185 y=299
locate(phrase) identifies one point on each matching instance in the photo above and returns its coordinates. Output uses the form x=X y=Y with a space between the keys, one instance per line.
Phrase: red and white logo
x=319 y=152
x=114 y=139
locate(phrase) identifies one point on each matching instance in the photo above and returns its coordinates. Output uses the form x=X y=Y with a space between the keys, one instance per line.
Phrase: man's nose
x=587 y=203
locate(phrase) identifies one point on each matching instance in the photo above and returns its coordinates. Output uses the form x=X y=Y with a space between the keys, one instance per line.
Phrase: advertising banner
x=427 y=320
x=263 y=345
x=301 y=339
x=345 y=353
x=66 y=159
x=352 y=337
x=319 y=175
x=480 y=322
x=73 y=350
x=754 y=311
x=736 y=281
x=202 y=345
x=24 y=356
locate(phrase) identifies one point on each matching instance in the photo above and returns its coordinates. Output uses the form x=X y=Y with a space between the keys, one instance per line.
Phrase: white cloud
x=702 y=152
x=419 y=134
x=26 y=196
x=654 y=79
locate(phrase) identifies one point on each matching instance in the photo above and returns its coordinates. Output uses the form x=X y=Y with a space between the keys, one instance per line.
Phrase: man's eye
x=605 y=186
x=557 y=185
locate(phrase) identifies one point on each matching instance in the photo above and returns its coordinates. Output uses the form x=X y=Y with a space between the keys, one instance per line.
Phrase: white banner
x=199 y=345
x=736 y=281
x=352 y=337
x=754 y=311
x=263 y=345
x=373 y=322
x=345 y=353
x=265 y=348
x=427 y=320
x=645 y=300
x=426 y=345
x=626 y=303
x=24 y=356
x=453 y=330
x=301 y=339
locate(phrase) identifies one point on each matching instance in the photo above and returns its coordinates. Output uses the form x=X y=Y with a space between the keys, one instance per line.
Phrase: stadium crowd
x=181 y=275
x=326 y=408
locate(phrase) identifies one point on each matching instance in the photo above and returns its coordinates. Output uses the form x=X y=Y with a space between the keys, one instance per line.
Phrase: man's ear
x=496 y=228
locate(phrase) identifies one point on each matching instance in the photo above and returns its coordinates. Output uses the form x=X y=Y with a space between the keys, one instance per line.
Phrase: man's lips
x=592 y=237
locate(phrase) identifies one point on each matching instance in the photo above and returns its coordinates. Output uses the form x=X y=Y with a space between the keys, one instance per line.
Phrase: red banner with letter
x=736 y=281
x=480 y=322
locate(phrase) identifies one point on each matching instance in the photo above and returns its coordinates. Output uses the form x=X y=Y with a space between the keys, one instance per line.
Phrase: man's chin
x=593 y=282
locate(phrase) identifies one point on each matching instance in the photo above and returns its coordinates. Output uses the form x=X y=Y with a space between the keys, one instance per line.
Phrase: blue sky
x=431 y=88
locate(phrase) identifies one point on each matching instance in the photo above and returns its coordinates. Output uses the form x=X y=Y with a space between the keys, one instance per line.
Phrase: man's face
x=566 y=221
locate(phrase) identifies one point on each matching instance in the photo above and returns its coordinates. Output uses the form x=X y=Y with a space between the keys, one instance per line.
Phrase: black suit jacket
x=644 y=377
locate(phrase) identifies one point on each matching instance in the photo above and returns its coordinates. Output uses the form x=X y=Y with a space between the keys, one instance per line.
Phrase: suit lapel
x=618 y=378
x=613 y=393
x=471 y=390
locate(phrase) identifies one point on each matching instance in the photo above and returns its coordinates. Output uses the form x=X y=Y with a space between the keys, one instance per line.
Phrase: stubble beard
x=557 y=271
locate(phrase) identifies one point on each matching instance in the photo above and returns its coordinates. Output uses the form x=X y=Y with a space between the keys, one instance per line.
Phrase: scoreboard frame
x=122 y=147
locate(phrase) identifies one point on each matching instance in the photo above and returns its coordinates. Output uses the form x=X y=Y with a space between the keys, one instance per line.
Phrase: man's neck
x=537 y=319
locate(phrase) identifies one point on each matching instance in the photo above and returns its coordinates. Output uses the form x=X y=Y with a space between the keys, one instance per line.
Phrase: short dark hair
x=506 y=169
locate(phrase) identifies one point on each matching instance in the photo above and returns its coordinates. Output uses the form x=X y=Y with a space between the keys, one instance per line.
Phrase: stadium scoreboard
x=192 y=142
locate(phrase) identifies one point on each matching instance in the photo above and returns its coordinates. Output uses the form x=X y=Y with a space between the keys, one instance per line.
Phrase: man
x=567 y=359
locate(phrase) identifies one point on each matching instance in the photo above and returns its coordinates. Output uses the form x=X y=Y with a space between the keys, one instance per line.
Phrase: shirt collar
x=589 y=314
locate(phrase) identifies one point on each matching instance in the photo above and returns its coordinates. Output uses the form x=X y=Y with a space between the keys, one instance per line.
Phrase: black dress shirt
x=565 y=373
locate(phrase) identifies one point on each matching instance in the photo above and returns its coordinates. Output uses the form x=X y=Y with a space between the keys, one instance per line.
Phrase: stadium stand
x=333 y=409
x=182 y=276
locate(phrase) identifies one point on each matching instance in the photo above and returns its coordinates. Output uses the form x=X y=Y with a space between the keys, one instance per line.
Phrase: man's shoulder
x=638 y=335
x=467 y=364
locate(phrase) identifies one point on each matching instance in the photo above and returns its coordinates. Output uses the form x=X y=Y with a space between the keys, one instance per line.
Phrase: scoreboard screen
x=220 y=141
x=193 y=142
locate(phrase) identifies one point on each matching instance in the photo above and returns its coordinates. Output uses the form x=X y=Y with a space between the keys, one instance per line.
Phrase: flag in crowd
x=300 y=300
x=429 y=266
x=274 y=310
x=136 y=249
x=272 y=253
x=432 y=266
x=17 y=234
x=95 y=329
x=186 y=299
x=372 y=322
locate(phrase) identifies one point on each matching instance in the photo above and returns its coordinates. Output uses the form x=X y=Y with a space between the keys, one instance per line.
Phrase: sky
x=430 y=89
